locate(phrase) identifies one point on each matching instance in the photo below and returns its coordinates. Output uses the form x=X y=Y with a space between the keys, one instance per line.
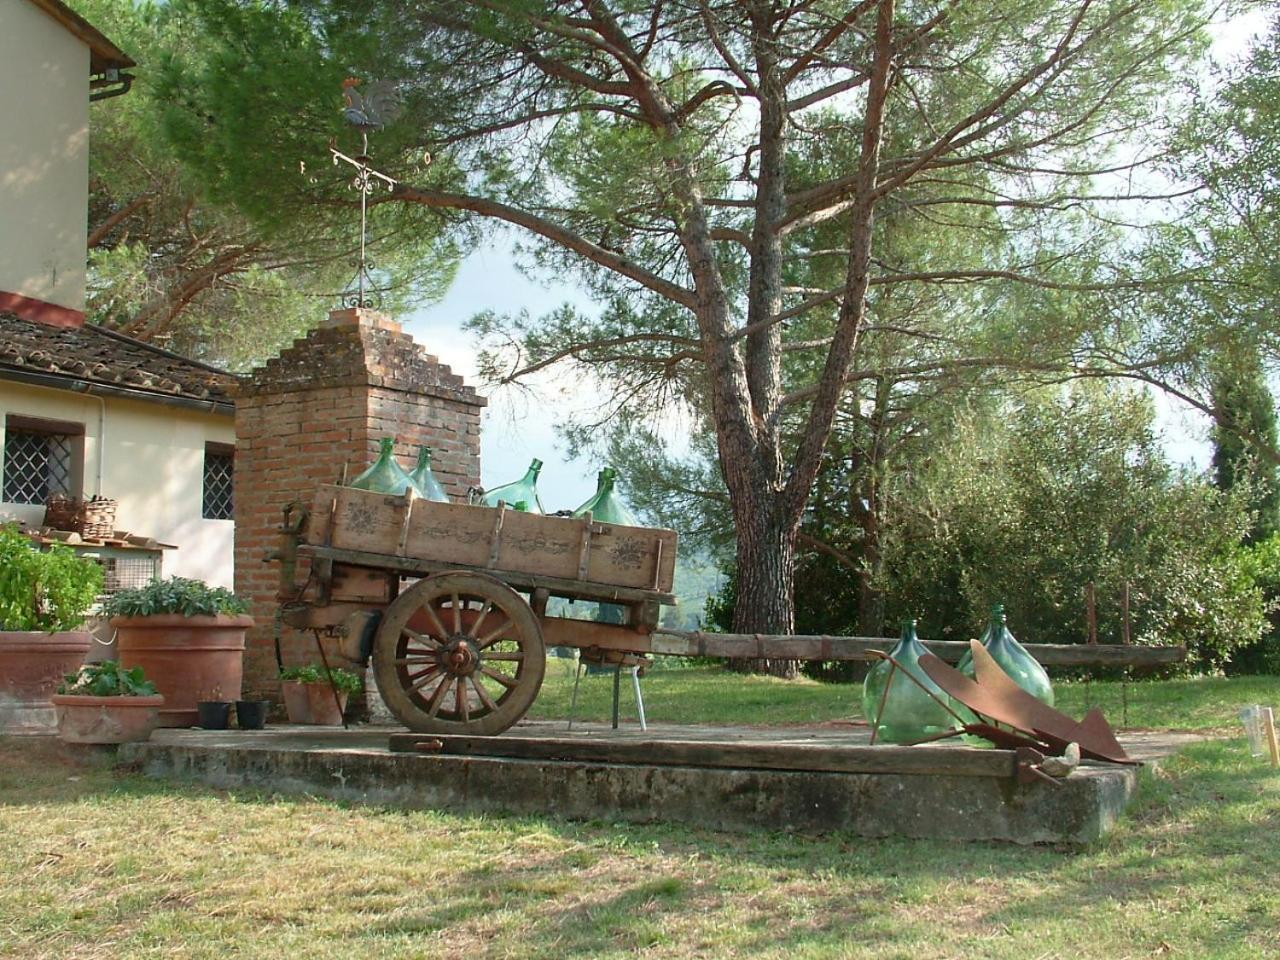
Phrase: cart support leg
x=573 y=702
x=617 y=684
x=635 y=680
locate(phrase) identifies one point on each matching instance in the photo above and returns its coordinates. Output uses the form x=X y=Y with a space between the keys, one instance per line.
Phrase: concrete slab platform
x=357 y=766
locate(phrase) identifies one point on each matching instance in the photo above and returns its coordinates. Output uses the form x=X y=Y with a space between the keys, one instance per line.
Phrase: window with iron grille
x=40 y=458
x=219 y=464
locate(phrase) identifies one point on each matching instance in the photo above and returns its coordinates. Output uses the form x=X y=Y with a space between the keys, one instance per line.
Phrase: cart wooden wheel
x=459 y=653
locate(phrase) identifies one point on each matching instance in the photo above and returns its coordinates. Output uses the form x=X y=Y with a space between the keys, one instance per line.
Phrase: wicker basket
x=94 y=518
x=61 y=512
x=98 y=518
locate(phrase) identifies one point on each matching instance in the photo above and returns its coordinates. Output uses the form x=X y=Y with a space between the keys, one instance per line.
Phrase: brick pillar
x=323 y=403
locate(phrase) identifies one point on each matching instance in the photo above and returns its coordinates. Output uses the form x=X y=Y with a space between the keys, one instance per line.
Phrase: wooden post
x=1091 y=611
x=1125 y=638
x=1268 y=719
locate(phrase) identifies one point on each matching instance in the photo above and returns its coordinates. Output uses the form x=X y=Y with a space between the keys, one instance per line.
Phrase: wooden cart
x=450 y=600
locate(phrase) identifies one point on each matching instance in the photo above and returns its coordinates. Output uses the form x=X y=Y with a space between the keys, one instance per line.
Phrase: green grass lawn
x=101 y=863
x=713 y=695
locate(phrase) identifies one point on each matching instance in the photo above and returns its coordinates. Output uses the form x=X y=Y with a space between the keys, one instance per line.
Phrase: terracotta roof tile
x=97 y=355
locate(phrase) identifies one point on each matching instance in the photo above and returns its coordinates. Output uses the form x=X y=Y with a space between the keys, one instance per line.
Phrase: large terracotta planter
x=312 y=703
x=31 y=667
x=189 y=659
x=106 y=719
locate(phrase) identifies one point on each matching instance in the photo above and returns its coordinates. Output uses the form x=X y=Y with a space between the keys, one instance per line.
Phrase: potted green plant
x=44 y=596
x=107 y=703
x=308 y=698
x=187 y=636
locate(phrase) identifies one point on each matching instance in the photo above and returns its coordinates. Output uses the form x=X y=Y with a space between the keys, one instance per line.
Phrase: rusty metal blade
x=1054 y=726
x=996 y=697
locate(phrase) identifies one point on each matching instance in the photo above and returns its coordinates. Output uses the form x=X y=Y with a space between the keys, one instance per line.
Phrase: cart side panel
x=350 y=519
x=453 y=532
x=632 y=557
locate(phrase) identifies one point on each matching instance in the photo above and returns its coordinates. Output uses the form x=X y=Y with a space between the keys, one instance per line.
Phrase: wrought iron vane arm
x=552 y=231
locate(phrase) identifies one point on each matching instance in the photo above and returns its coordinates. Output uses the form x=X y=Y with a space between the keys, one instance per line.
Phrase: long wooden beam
x=682 y=643
x=919 y=760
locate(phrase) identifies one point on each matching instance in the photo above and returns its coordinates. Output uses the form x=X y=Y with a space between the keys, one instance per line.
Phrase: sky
x=519 y=425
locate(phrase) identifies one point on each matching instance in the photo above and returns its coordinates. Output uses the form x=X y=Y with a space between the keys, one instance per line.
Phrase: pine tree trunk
x=766 y=583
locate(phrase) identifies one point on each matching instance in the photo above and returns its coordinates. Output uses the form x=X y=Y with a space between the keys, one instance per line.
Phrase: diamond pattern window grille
x=36 y=465
x=218 y=499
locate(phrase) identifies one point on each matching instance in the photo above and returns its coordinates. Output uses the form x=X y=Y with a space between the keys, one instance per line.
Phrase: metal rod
x=875 y=726
x=617 y=687
x=635 y=680
x=573 y=702
x=1125 y=623
x=333 y=687
x=1091 y=610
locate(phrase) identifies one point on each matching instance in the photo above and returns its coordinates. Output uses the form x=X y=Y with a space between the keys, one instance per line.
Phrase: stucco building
x=84 y=410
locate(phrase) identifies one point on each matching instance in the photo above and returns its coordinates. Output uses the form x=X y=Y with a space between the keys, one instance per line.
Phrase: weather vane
x=370 y=111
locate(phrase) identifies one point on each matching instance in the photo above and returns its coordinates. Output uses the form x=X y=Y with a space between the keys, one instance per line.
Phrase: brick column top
x=358 y=347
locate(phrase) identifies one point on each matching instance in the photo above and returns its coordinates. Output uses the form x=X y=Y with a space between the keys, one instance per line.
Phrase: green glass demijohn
x=386 y=475
x=522 y=494
x=1013 y=658
x=908 y=713
x=425 y=480
x=606 y=506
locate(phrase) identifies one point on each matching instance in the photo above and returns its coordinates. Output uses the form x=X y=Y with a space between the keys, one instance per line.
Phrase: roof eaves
x=103 y=54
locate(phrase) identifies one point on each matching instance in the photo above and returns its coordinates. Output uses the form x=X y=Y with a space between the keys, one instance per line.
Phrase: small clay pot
x=252 y=714
x=214 y=714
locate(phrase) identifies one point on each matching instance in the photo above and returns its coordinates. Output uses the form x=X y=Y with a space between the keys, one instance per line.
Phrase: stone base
x=27 y=719
x=355 y=766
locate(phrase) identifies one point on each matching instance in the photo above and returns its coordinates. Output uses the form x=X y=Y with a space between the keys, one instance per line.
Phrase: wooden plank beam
x=682 y=643
x=412 y=566
x=953 y=761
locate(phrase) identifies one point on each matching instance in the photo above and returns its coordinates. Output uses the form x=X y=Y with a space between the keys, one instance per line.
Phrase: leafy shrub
x=47 y=590
x=176 y=595
x=344 y=680
x=107 y=679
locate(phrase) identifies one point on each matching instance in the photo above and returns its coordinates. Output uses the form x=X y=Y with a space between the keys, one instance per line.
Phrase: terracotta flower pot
x=32 y=664
x=106 y=719
x=312 y=703
x=189 y=659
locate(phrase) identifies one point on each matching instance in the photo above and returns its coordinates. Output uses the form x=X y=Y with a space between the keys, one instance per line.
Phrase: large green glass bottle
x=520 y=495
x=1013 y=658
x=425 y=480
x=908 y=713
x=386 y=475
x=605 y=505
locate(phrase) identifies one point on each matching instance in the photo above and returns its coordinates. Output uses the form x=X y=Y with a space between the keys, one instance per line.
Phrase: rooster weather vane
x=379 y=105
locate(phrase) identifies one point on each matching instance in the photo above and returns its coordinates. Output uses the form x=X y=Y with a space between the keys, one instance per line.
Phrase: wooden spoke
x=435 y=621
x=484 y=612
x=417 y=658
x=517 y=657
x=457 y=613
x=502 y=678
x=493 y=636
x=428 y=641
x=422 y=680
x=437 y=698
x=461 y=699
x=484 y=695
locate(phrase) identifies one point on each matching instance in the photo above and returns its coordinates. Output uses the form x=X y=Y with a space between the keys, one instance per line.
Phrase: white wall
x=44 y=157
x=150 y=458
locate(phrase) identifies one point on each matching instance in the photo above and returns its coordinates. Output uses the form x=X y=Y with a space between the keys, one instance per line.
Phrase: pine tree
x=1244 y=421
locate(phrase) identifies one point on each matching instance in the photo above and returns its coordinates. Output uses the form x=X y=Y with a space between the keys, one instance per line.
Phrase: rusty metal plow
x=1048 y=743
